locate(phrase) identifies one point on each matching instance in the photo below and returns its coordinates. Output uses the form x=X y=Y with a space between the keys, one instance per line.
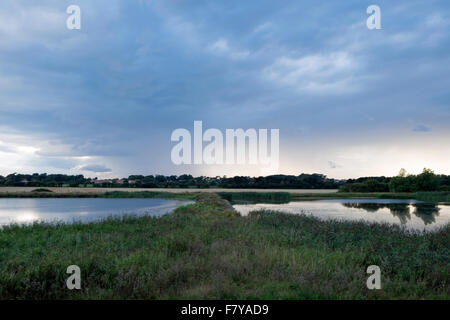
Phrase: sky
x=104 y=100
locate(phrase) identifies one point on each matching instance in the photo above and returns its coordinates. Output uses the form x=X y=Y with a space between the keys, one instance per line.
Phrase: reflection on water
x=27 y=217
x=20 y=210
x=409 y=213
x=425 y=211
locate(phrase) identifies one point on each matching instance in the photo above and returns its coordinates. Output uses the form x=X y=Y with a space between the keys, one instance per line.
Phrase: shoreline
x=229 y=194
x=64 y=190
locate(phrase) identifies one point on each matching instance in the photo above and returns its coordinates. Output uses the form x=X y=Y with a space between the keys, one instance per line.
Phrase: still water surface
x=28 y=210
x=411 y=214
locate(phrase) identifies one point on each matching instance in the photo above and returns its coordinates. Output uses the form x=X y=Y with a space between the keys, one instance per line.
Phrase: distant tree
x=369 y=185
x=427 y=181
x=376 y=186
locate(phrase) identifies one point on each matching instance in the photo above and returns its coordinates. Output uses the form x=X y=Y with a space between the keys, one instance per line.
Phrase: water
x=412 y=214
x=23 y=211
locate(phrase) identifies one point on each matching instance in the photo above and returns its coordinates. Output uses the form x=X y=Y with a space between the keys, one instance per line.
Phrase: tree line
x=302 y=181
x=403 y=182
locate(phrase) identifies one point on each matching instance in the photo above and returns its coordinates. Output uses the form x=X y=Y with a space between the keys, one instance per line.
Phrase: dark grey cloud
x=421 y=128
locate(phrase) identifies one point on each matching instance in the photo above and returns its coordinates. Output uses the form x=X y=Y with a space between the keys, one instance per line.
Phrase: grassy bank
x=40 y=193
x=206 y=250
x=270 y=195
x=433 y=196
x=443 y=196
x=281 y=197
x=257 y=196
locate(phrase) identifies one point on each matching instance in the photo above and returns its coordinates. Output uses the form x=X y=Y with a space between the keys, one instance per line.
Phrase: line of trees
x=42 y=180
x=302 y=181
x=403 y=182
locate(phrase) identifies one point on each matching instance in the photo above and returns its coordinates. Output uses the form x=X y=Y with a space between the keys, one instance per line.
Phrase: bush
x=41 y=190
x=403 y=184
x=426 y=181
x=370 y=185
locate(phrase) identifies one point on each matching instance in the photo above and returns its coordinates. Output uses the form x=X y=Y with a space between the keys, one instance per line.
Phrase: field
x=207 y=251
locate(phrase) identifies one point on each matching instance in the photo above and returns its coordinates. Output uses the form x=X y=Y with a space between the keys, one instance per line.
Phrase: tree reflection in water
x=425 y=211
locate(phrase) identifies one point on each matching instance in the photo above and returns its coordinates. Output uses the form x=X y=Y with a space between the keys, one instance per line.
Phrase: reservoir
x=412 y=214
x=68 y=210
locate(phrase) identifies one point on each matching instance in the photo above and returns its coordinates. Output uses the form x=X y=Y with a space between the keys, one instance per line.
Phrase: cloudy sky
x=104 y=100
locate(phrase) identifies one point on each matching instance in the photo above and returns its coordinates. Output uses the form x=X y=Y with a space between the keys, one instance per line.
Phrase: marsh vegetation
x=207 y=251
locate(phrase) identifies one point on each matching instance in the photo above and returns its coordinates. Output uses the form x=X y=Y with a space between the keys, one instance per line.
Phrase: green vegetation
x=369 y=185
x=302 y=181
x=433 y=196
x=426 y=181
x=41 y=180
x=280 y=181
x=206 y=251
x=275 y=197
x=110 y=194
x=272 y=197
x=41 y=190
x=49 y=195
x=442 y=196
x=148 y=194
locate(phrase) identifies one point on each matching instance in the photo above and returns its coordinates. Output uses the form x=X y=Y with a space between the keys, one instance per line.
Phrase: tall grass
x=208 y=251
x=443 y=196
x=39 y=193
x=277 y=197
x=438 y=196
x=148 y=194
x=41 y=190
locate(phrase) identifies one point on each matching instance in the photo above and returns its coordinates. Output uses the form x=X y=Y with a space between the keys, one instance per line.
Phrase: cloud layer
x=112 y=92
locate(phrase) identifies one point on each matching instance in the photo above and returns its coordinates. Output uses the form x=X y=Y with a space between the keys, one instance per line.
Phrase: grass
x=443 y=196
x=148 y=194
x=284 y=197
x=207 y=251
x=236 y=195
x=109 y=194
x=41 y=190
x=277 y=197
x=438 y=196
